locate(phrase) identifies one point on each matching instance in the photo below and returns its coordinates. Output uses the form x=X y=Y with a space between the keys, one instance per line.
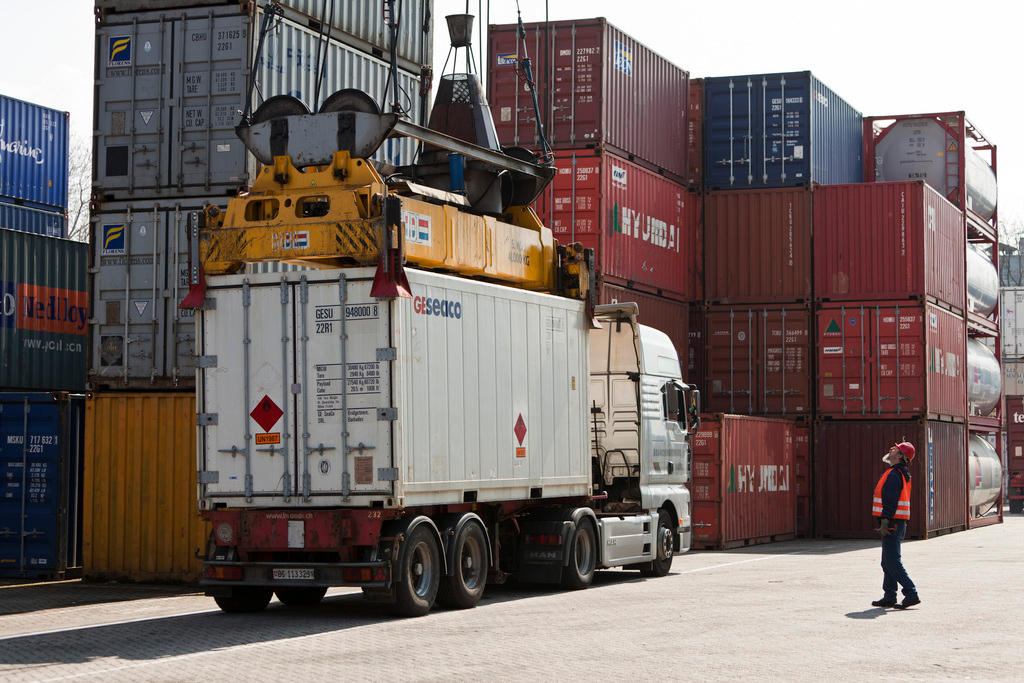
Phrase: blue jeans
x=892 y=565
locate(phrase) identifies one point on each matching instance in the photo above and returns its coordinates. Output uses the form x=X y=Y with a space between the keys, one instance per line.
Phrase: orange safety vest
x=902 y=507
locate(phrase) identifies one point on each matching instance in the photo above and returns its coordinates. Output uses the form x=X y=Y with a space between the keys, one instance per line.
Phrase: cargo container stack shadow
x=170 y=85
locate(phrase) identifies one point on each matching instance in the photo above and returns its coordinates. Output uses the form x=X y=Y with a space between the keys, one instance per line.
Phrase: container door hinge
x=387 y=414
x=387 y=474
x=387 y=354
x=206 y=361
x=209 y=477
x=206 y=419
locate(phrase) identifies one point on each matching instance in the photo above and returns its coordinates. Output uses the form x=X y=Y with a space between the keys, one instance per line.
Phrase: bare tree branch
x=79 y=188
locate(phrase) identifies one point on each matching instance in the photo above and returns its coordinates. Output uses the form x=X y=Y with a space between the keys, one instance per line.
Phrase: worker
x=891 y=503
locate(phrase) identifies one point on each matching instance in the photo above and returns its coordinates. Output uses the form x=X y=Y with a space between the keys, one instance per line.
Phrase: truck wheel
x=579 y=573
x=298 y=596
x=1016 y=505
x=464 y=587
x=664 y=544
x=419 y=574
x=245 y=599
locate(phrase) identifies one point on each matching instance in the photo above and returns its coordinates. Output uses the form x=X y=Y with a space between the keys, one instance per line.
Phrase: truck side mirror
x=694 y=408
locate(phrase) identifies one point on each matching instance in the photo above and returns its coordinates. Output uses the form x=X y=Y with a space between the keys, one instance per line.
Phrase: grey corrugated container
x=140 y=339
x=170 y=86
x=43 y=312
x=359 y=23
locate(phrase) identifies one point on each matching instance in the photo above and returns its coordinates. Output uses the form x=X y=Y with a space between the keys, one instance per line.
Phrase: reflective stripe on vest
x=902 y=506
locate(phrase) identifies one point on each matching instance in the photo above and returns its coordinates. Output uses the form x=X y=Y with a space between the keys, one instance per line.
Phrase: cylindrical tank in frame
x=982 y=283
x=984 y=474
x=984 y=378
x=918 y=149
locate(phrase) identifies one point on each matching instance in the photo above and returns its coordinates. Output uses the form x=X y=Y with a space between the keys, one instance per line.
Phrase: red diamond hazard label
x=520 y=430
x=266 y=413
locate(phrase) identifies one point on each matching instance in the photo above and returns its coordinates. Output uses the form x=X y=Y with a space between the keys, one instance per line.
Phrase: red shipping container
x=759 y=360
x=1015 y=452
x=848 y=463
x=742 y=482
x=695 y=135
x=668 y=315
x=757 y=246
x=696 y=353
x=887 y=241
x=802 y=477
x=891 y=359
x=644 y=228
x=596 y=87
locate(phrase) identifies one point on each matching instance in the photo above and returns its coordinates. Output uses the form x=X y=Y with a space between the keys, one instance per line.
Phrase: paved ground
x=798 y=610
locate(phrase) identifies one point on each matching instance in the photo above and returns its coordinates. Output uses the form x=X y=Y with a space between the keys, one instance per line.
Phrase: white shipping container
x=1011 y=321
x=466 y=392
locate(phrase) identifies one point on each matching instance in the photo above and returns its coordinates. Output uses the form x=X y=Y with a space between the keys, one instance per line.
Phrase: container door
x=843 y=362
x=247 y=408
x=131 y=105
x=346 y=406
x=127 y=298
x=785 y=362
x=899 y=376
x=732 y=349
x=729 y=133
x=783 y=149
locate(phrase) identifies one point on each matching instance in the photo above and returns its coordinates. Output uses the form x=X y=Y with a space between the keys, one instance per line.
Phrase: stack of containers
x=767 y=139
x=616 y=115
x=43 y=327
x=170 y=83
x=956 y=160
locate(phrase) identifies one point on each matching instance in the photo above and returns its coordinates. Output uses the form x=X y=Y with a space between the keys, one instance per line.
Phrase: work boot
x=909 y=601
x=884 y=602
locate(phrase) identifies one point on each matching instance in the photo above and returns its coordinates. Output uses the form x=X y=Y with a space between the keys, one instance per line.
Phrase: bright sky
x=899 y=58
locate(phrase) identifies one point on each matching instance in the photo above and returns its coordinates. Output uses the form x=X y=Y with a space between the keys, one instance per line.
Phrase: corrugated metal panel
x=33 y=153
x=36 y=221
x=778 y=130
x=140 y=338
x=696 y=356
x=165 y=117
x=1015 y=434
x=40 y=467
x=891 y=360
x=742 y=484
x=759 y=360
x=848 y=463
x=668 y=315
x=141 y=518
x=757 y=246
x=887 y=241
x=802 y=480
x=356 y=22
x=43 y=312
x=695 y=135
x=596 y=87
x=644 y=227
x=1011 y=321
x=1013 y=378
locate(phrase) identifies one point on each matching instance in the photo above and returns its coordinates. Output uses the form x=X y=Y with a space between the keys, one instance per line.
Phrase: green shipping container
x=44 y=323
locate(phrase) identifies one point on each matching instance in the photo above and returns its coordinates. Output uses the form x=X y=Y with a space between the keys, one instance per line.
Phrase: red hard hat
x=908 y=450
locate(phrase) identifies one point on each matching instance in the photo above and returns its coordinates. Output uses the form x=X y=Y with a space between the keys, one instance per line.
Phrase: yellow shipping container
x=140 y=518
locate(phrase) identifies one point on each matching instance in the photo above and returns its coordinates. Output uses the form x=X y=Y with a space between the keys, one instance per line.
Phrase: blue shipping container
x=28 y=219
x=41 y=442
x=33 y=153
x=778 y=130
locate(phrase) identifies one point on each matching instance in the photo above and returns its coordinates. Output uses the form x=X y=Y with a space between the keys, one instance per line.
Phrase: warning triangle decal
x=833 y=327
x=952 y=147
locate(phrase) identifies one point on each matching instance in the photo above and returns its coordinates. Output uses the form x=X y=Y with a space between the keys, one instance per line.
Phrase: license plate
x=293 y=574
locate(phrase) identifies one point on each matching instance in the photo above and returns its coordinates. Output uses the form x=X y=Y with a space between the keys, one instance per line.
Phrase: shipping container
x=597 y=87
x=140 y=518
x=757 y=246
x=1014 y=425
x=1011 y=322
x=644 y=228
x=667 y=315
x=33 y=154
x=1013 y=378
x=696 y=356
x=51 y=223
x=170 y=86
x=41 y=436
x=742 y=482
x=984 y=379
x=778 y=130
x=358 y=23
x=43 y=313
x=848 y=463
x=887 y=241
x=803 y=478
x=891 y=359
x=140 y=339
x=759 y=360
x=695 y=135
x=945 y=150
